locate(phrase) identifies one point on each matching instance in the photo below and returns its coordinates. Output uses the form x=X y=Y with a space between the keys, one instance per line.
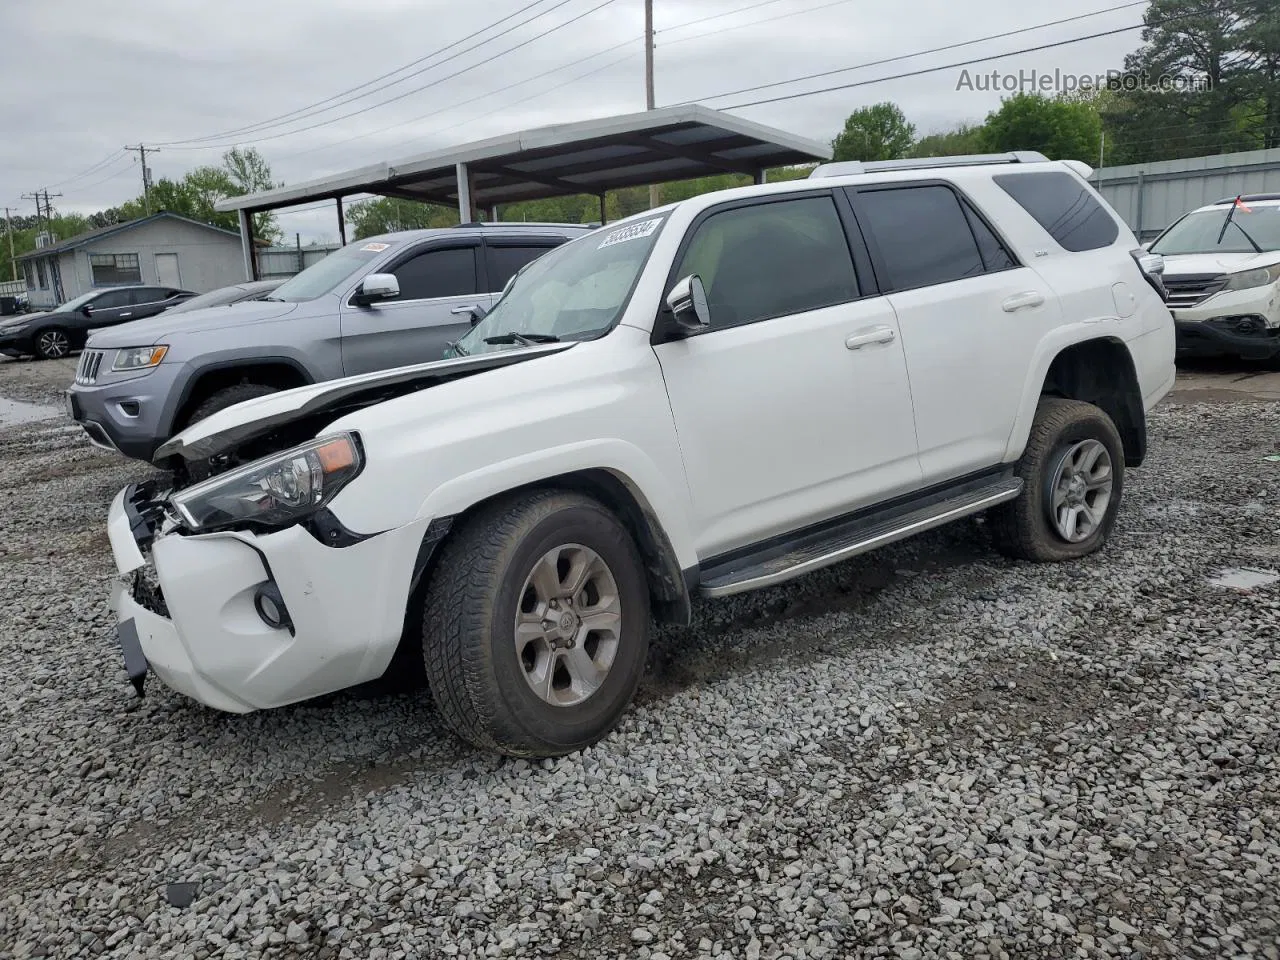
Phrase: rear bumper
x=200 y=630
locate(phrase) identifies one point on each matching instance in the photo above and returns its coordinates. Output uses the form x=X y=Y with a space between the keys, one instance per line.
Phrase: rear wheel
x=1073 y=478
x=53 y=343
x=536 y=625
x=226 y=397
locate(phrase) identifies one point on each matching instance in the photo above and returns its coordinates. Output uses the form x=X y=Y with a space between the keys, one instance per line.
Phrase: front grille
x=1189 y=290
x=90 y=363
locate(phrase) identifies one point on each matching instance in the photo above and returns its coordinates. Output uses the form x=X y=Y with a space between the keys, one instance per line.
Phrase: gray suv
x=387 y=301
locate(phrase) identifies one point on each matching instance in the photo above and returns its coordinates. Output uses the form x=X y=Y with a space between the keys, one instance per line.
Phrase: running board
x=779 y=563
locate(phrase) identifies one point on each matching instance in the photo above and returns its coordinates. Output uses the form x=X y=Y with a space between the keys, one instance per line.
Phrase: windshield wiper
x=524 y=339
x=1252 y=242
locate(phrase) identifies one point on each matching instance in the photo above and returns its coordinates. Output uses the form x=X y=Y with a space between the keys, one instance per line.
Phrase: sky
x=190 y=78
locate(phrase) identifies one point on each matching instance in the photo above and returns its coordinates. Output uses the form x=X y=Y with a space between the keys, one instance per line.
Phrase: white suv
x=710 y=397
x=1222 y=271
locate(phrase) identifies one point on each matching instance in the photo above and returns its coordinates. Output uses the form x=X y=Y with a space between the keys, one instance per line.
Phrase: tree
x=200 y=189
x=1222 y=57
x=1060 y=129
x=964 y=139
x=879 y=132
x=369 y=218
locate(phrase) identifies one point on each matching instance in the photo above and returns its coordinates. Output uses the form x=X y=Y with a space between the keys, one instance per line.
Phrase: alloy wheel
x=1080 y=490
x=568 y=625
x=54 y=344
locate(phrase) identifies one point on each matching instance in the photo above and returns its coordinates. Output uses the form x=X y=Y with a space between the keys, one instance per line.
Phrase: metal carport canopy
x=587 y=157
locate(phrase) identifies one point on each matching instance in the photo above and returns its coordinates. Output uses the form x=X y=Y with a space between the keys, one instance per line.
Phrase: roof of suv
x=506 y=229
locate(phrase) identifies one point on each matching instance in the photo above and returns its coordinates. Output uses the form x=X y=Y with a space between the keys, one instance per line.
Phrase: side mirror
x=87 y=310
x=378 y=286
x=688 y=304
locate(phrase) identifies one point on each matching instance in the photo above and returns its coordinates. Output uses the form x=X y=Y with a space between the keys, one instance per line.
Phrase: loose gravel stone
x=928 y=752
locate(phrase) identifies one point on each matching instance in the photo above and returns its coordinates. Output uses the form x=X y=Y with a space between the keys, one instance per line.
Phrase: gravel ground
x=927 y=752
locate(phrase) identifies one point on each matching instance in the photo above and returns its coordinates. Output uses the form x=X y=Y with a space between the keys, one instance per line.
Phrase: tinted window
x=450 y=272
x=1064 y=206
x=504 y=262
x=994 y=254
x=923 y=235
x=148 y=295
x=116 y=298
x=770 y=260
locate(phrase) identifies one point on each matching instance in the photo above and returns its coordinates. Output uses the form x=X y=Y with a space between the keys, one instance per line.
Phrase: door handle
x=875 y=335
x=129 y=314
x=1019 y=301
x=470 y=308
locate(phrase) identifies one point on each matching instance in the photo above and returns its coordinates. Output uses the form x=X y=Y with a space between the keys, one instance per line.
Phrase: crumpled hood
x=143 y=333
x=229 y=428
x=1183 y=264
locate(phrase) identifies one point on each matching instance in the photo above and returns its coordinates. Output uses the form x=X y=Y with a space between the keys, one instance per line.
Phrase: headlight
x=275 y=491
x=1253 y=278
x=138 y=358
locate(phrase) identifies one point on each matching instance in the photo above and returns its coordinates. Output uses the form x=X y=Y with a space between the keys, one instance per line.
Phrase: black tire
x=51 y=343
x=198 y=470
x=1024 y=528
x=476 y=677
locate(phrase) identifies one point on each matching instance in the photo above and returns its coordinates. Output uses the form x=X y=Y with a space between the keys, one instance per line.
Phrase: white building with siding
x=164 y=249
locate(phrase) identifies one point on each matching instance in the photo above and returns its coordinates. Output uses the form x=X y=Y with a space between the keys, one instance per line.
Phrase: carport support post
x=761 y=176
x=342 y=224
x=246 y=241
x=466 y=212
x=604 y=209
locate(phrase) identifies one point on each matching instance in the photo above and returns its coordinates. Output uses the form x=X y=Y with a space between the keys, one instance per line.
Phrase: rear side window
x=448 y=272
x=1064 y=206
x=994 y=254
x=504 y=262
x=771 y=260
x=923 y=235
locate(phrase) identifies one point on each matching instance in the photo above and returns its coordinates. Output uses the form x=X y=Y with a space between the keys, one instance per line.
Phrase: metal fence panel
x=1150 y=196
x=277 y=262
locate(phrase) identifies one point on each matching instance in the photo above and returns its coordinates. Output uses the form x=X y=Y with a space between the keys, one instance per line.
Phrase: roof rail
x=514 y=224
x=1247 y=197
x=847 y=168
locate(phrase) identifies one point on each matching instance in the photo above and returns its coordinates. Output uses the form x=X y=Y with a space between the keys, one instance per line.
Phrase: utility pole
x=649 y=100
x=141 y=151
x=8 y=228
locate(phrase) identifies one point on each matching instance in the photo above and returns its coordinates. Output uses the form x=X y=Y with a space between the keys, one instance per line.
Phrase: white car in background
x=1222 y=272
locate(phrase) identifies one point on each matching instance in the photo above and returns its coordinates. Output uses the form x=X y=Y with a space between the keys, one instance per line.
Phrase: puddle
x=14 y=412
x=1244 y=578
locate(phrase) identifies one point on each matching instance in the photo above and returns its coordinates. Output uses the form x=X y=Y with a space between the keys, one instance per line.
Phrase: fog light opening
x=271 y=609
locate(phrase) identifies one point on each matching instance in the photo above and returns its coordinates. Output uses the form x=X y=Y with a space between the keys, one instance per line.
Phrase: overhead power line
x=90 y=170
x=345 y=97
x=406 y=93
x=755 y=23
x=924 y=53
x=718 y=16
x=923 y=70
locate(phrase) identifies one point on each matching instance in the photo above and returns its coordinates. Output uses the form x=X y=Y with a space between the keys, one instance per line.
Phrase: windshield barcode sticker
x=644 y=228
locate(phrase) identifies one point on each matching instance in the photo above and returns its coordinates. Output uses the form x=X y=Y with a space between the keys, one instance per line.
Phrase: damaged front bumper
x=188 y=606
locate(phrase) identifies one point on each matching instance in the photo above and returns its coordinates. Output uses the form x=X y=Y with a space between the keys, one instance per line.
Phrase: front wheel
x=536 y=625
x=1073 y=477
x=53 y=344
